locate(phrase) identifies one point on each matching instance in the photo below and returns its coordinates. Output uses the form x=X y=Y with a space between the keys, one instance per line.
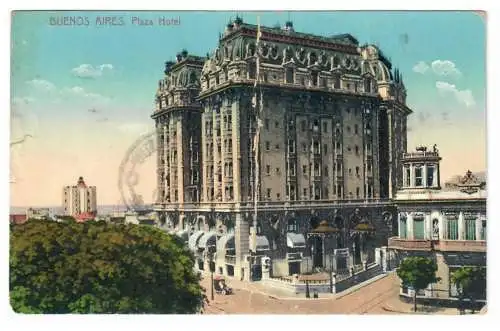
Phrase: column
x=461 y=226
x=235 y=117
x=478 y=226
x=424 y=175
x=409 y=226
x=412 y=175
x=428 y=227
x=442 y=227
x=241 y=238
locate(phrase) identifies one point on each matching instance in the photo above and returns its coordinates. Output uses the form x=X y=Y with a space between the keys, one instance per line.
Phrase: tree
x=418 y=273
x=470 y=283
x=97 y=267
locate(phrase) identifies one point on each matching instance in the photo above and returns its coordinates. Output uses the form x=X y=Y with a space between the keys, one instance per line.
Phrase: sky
x=84 y=94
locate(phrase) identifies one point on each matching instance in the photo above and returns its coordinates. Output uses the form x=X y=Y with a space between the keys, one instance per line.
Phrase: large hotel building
x=275 y=137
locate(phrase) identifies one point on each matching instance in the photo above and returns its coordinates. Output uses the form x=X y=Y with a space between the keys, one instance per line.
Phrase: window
x=230 y=145
x=452 y=227
x=268 y=145
x=339 y=166
x=304 y=169
x=430 y=176
x=350 y=171
x=369 y=147
x=418 y=176
x=252 y=69
x=292 y=192
x=325 y=192
x=402 y=227
x=336 y=83
x=304 y=147
x=316 y=147
x=314 y=79
x=325 y=127
x=269 y=193
x=277 y=147
x=369 y=167
x=316 y=170
x=316 y=125
x=470 y=229
x=408 y=176
x=337 y=146
x=289 y=76
x=303 y=126
x=325 y=148
x=266 y=123
x=355 y=129
x=292 y=226
x=357 y=192
x=291 y=146
x=278 y=196
x=305 y=193
x=418 y=228
x=268 y=169
x=356 y=149
x=483 y=230
x=339 y=191
x=369 y=191
x=278 y=171
x=325 y=171
x=348 y=128
x=357 y=171
x=276 y=125
x=291 y=169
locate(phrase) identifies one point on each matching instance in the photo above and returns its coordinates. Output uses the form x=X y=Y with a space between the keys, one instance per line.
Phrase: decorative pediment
x=470 y=183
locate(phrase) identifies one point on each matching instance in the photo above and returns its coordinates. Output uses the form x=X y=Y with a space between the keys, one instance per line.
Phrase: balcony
x=460 y=246
x=409 y=244
x=294 y=257
x=230 y=259
x=438 y=245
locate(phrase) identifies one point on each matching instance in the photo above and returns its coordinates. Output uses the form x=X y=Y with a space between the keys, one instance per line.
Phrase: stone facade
x=447 y=225
x=331 y=128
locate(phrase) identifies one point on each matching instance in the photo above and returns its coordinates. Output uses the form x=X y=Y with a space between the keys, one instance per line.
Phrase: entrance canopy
x=295 y=240
x=193 y=240
x=262 y=243
x=208 y=239
x=225 y=242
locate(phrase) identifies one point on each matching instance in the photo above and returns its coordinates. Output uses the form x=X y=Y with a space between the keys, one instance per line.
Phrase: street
x=379 y=297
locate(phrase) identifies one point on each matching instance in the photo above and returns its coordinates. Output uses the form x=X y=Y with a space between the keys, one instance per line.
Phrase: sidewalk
x=281 y=294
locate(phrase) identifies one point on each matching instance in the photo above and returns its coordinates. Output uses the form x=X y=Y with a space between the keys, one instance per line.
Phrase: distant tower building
x=80 y=200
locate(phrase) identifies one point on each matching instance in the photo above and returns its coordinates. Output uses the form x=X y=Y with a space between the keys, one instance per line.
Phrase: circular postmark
x=128 y=174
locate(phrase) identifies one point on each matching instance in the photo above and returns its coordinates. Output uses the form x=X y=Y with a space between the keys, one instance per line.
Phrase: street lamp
x=212 y=269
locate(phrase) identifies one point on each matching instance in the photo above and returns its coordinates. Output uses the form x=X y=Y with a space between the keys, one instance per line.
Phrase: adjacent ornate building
x=273 y=133
x=448 y=225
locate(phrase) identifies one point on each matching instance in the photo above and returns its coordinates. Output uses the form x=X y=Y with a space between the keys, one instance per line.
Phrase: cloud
x=41 y=85
x=421 y=67
x=22 y=101
x=78 y=91
x=89 y=71
x=445 y=68
x=463 y=96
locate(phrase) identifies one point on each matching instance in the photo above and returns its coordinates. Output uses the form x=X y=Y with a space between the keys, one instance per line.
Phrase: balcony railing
x=420 y=154
x=230 y=259
x=438 y=245
x=460 y=246
x=409 y=244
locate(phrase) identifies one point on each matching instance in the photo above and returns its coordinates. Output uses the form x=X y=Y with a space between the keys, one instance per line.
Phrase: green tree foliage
x=418 y=273
x=470 y=283
x=96 y=267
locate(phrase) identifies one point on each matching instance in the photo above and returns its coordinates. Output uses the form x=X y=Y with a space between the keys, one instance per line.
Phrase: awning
x=183 y=234
x=262 y=243
x=295 y=240
x=193 y=240
x=208 y=239
x=225 y=242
